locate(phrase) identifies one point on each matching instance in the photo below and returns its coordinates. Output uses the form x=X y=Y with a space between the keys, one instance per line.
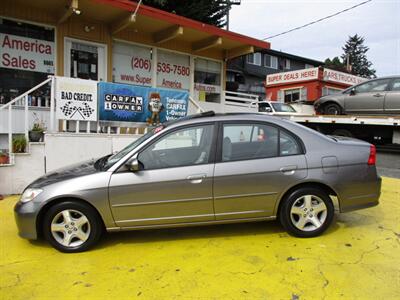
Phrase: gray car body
x=384 y=102
x=235 y=191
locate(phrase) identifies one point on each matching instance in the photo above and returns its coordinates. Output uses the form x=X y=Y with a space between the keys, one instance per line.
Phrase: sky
x=377 y=21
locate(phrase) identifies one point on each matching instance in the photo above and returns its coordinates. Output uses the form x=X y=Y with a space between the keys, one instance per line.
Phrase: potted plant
x=19 y=144
x=4 y=159
x=36 y=133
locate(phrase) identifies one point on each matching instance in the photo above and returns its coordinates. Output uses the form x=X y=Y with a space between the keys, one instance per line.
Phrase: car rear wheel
x=332 y=109
x=72 y=226
x=306 y=212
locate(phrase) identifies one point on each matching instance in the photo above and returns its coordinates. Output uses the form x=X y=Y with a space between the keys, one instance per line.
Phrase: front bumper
x=25 y=216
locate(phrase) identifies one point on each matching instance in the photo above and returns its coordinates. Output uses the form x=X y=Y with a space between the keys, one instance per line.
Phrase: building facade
x=307 y=84
x=105 y=40
x=247 y=73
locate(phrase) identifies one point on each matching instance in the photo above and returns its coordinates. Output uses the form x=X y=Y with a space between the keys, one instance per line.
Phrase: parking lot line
x=357 y=258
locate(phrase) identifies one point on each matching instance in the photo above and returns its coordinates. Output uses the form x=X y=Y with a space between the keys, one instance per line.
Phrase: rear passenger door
x=392 y=99
x=255 y=163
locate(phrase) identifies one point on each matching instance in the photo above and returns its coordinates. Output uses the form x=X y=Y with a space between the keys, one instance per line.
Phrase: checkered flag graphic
x=86 y=110
x=69 y=110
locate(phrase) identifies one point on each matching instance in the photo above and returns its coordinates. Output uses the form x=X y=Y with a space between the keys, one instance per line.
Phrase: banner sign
x=336 y=76
x=293 y=76
x=22 y=53
x=76 y=99
x=173 y=70
x=129 y=103
x=131 y=64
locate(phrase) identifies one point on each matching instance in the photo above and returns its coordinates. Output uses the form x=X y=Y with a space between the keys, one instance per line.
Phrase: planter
x=4 y=160
x=35 y=136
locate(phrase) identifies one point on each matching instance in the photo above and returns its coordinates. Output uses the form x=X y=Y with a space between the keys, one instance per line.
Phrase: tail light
x=372 y=155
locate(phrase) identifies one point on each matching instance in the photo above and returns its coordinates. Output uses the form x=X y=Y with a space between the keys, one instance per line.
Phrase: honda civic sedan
x=201 y=170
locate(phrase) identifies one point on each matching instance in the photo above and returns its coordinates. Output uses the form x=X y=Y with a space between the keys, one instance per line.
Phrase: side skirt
x=205 y=223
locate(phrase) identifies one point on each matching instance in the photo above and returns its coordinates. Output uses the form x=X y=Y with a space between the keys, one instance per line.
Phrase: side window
x=373 y=86
x=185 y=147
x=396 y=85
x=249 y=141
x=288 y=144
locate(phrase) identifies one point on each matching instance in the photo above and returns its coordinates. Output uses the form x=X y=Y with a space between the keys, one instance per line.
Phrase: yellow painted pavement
x=357 y=258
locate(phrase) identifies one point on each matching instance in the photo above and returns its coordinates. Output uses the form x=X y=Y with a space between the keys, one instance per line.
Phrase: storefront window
x=27 y=57
x=207 y=80
x=292 y=95
x=131 y=64
x=173 y=70
x=330 y=91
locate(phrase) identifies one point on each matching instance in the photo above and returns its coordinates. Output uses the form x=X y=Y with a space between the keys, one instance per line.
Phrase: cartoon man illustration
x=155 y=107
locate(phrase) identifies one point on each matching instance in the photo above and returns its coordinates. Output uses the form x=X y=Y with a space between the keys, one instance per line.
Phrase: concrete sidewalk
x=358 y=258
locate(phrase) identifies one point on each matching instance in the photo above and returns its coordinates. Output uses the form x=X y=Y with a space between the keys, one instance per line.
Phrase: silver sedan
x=204 y=169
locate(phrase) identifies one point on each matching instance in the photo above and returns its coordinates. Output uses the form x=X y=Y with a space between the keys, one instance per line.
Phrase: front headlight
x=29 y=195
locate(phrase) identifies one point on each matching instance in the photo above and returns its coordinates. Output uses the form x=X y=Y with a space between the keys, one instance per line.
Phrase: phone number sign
x=132 y=64
x=173 y=70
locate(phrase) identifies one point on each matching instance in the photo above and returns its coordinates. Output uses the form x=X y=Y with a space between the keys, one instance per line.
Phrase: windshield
x=108 y=161
x=283 y=107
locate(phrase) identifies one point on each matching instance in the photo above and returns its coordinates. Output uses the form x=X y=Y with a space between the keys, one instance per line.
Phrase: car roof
x=211 y=116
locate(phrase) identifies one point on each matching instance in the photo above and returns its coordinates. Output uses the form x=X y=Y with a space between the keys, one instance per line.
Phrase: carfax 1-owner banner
x=128 y=103
x=76 y=99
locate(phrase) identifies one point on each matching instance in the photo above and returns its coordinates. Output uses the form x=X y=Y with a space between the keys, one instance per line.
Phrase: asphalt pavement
x=388 y=164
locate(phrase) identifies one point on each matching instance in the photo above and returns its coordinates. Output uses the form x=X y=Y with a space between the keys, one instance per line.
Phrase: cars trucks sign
x=293 y=76
x=336 y=76
x=76 y=99
x=22 y=53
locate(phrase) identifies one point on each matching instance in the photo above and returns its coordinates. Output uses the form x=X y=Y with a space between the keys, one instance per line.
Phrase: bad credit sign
x=22 y=53
x=293 y=76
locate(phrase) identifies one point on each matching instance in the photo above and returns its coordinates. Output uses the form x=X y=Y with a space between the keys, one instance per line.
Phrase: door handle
x=288 y=170
x=197 y=178
x=378 y=95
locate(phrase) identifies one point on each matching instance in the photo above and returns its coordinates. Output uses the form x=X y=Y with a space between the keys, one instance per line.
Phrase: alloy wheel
x=70 y=228
x=308 y=213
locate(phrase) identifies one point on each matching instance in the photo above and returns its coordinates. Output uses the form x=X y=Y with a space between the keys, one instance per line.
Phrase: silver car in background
x=372 y=97
x=204 y=169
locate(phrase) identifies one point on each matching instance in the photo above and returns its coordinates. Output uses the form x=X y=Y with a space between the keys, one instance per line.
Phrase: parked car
x=276 y=108
x=204 y=169
x=376 y=96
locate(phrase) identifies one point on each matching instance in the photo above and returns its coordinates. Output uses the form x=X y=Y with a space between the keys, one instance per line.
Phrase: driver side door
x=174 y=184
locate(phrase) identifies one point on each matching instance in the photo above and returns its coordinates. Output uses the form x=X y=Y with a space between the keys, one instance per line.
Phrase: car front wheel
x=306 y=212
x=332 y=109
x=72 y=226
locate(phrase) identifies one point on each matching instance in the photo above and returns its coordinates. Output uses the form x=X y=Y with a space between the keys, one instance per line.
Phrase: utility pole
x=230 y=3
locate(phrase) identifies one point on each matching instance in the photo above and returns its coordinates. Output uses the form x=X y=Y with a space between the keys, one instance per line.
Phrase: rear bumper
x=25 y=216
x=365 y=200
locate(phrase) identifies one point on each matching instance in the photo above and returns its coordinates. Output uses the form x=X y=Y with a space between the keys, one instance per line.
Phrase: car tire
x=332 y=109
x=306 y=212
x=72 y=226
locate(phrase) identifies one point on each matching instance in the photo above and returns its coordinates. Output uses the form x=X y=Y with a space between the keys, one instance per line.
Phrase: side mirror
x=133 y=165
x=352 y=92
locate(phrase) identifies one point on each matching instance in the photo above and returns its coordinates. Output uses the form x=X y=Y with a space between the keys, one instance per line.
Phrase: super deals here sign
x=76 y=99
x=22 y=53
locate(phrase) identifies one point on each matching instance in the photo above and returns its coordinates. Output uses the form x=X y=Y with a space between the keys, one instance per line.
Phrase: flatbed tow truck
x=383 y=131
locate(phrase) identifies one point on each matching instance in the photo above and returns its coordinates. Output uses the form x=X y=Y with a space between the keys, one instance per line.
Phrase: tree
x=355 y=51
x=335 y=64
x=211 y=12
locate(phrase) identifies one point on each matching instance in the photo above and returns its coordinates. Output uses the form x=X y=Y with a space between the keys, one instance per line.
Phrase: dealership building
x=113 y=41
x=307 y=84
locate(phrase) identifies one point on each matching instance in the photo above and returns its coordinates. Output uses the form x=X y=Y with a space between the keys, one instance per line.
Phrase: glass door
x=85 y=60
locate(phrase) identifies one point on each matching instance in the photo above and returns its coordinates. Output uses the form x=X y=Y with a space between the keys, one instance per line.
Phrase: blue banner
x=129 y=103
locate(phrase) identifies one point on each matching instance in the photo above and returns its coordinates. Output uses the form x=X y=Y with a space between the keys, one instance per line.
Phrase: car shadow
x=226 y=231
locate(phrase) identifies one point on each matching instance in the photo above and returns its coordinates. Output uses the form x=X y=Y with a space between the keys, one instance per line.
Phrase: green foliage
x=38 y=125
x=356 y=51
x=3 y=153
x=335 y=64
x=19 y=144
x=211 y=12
